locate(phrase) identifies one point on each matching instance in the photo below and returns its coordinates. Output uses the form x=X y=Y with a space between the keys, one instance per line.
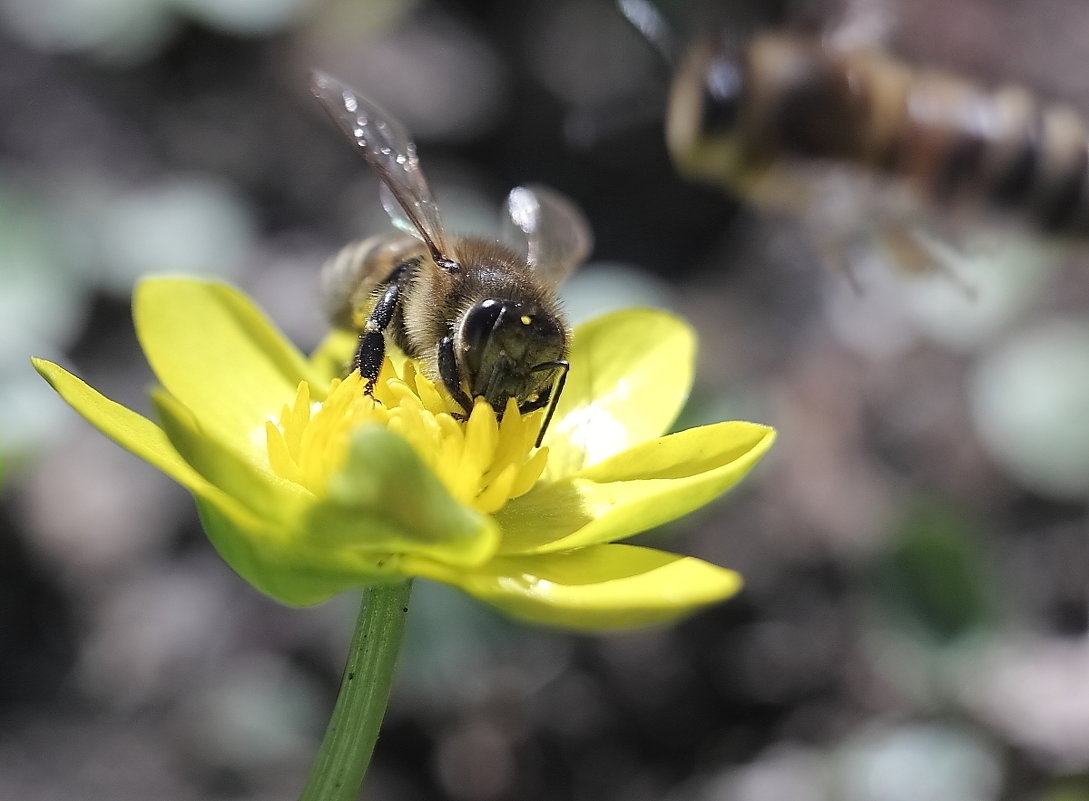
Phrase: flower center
x=482 y=462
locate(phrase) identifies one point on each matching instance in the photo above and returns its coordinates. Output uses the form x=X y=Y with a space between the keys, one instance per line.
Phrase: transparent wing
x=395 y=211
x=387 y=147
x=546 y=228
x=649 y=21
x=862 y=24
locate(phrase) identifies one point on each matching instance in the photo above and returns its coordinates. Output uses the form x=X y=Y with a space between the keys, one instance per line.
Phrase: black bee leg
x=451 y=375
x=550 y=397
x=372 y=340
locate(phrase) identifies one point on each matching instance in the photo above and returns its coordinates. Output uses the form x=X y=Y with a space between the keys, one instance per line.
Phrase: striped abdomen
x=791 y=98
x=350 y=277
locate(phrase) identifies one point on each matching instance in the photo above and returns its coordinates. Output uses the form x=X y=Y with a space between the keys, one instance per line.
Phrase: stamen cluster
x=482 y=462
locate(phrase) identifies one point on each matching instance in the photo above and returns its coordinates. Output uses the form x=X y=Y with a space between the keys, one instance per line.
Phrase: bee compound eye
x=723 y=84
x=478 y=325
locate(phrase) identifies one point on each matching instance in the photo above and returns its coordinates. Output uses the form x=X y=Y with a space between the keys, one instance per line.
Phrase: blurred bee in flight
x=482 y=316
x=853 y=142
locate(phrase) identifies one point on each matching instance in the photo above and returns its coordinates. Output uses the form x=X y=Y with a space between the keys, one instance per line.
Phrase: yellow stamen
x=483 y=463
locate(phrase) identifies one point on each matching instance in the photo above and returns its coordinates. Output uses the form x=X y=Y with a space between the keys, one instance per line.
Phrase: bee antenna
x=558 y=390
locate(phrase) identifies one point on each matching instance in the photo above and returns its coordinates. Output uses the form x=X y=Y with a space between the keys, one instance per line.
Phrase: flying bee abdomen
x=794 y=99
x=999 y=148
x=350 y=276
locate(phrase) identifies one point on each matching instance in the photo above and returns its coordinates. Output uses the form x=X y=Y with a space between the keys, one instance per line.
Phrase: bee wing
x=546 y=228
x=649 y=21
x=390 y=151
x=862 y=24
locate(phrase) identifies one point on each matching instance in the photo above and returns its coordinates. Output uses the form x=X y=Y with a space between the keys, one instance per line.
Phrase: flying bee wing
x=546 y=228
x=390 y=151
x=861 y=24
x=649 y=21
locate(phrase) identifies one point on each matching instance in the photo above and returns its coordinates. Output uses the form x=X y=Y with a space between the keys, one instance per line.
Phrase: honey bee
x=772 y=119
x=482 y=316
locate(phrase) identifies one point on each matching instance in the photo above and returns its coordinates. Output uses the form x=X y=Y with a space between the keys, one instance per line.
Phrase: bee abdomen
x=1000 y=148
x=350 y=276
x=951 y=139
x=1056 y=196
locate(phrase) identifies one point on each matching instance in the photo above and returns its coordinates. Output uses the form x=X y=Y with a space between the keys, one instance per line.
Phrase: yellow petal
x=259 y=489
x=261 y=532
x=215 y=352
x=593 y=589
x=281 y=565
x=141 y=437
x=636 y=490
x=386 y=495
x=383 y=503
x=631 y=372
x=333 y=355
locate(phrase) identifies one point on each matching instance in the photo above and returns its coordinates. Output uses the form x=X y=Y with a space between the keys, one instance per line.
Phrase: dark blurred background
x=913 y=626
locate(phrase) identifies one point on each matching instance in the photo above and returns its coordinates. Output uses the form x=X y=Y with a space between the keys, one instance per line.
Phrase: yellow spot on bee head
x=526 y=319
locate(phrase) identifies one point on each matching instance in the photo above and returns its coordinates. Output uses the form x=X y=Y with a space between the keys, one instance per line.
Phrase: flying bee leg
x=920 y=254
x=834 y=251
x=451 y=375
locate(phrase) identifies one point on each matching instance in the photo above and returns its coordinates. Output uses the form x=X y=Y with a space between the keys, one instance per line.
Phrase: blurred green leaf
x=1067 y=790
x=935 y=580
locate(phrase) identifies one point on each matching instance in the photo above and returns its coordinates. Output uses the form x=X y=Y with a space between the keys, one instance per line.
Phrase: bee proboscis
x=482 y=316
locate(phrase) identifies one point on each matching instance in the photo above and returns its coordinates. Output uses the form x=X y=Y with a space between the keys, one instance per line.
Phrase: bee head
x=706 y=110
x=510 y=349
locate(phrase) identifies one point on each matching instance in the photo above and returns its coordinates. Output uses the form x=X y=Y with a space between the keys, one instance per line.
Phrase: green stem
x=349 y=740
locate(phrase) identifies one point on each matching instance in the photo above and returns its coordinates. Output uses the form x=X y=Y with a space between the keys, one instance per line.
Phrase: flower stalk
x=346 y=749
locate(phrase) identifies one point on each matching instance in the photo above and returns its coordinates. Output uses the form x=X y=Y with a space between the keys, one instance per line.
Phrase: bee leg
x=550 y=397
x=919 y=252
x=534 y=405
x=451 y=375
x=372 y=340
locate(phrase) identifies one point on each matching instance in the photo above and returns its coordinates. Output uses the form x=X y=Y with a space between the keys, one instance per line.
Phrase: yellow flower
x=307 y=487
